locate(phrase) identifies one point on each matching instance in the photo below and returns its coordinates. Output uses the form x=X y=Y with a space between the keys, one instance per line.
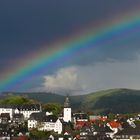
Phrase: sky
x=69 y=47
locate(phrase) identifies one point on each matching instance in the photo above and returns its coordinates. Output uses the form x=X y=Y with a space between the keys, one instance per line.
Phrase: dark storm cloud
x=24 y=25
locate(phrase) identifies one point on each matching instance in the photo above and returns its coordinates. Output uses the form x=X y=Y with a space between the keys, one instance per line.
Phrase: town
x=29 y=121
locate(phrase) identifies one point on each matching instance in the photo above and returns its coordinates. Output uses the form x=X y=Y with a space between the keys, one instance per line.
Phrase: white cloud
x=65 y=80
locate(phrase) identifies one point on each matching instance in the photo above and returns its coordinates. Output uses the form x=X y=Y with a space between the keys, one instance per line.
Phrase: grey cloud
x=91 y=78
x=26 y=24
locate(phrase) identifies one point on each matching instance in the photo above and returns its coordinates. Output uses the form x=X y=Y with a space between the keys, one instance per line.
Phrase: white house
x=35 y=119
x=25 y=109
x=58 y=126
x=6 y=109
x=28 y=109
x=55 y=126
x=32 y=123
x=45 y=123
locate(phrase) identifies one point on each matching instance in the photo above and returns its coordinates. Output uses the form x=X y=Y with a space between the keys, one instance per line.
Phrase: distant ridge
x=105 y=101
x=40 y=96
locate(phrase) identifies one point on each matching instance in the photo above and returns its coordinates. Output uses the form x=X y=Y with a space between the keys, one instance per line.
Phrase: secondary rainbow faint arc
x=66 y=47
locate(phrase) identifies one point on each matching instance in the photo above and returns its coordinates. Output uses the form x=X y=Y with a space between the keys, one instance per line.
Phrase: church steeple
x=67 y=102
x=67 y=110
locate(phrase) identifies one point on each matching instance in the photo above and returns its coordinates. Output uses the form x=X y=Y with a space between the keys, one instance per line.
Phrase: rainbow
x=36 y=62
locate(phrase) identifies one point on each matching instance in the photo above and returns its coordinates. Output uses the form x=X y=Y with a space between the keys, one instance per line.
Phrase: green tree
x=11 y=99
x=39 y=135
x=53 y=107
x=111 y=116
x=16 y=99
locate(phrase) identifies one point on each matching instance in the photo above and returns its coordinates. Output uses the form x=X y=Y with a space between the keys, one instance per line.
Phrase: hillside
x=113 y=100
x=40 y=96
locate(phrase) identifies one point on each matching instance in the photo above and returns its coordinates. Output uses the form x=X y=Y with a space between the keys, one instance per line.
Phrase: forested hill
x=113 y=100
x=39 y=96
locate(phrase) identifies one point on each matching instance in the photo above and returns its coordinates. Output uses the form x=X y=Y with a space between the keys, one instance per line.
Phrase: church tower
x=67 y=110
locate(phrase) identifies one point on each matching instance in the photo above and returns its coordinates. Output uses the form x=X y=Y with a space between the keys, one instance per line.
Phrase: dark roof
x=129 y=130
x=102 y=128
x=20 y=115
x=7 y=115
x=22 y=107
x=51 y=118
x=98 y=137
x=81 y=116
x=7 y=106
x=37 y=116
x=85 y=128
x=41 y=116
x=29 y=107
x=61 y=120
x=107 y=129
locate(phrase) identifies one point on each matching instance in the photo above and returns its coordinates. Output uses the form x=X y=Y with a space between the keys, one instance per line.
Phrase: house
x=28 y=109
x=115 y=126
x=6 y=109
x=5 y=132
x=25 y=109
x=85 y=131
x=101 y=129
x=128 y=131
x=50 y=123
x=93 y=118
x=35 y=119
x=4 y=118
x=18 y=118
x=95 y=132
x=80 y=119
x=51 y=137
x=45 y=123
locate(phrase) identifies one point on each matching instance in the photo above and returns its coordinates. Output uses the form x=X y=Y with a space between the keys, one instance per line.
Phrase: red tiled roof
x=114 y=124
x=81 y=123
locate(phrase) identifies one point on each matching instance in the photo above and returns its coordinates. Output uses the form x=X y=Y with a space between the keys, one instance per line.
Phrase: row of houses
x=25 y=109
x=16 y=120
x=120 y=128
x=32 y=114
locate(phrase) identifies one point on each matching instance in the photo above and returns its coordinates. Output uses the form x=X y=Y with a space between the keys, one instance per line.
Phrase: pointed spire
x=67 y=102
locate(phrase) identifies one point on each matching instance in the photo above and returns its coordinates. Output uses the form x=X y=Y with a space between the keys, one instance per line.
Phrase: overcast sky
x=25 y=26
